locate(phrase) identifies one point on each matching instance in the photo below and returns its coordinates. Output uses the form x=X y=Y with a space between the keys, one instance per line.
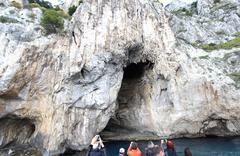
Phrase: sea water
x=199 y=146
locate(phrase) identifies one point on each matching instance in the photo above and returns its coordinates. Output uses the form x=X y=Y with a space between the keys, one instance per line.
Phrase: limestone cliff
x=125 y=73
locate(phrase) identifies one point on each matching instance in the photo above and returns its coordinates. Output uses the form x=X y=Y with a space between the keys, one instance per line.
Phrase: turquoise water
x=199 y=147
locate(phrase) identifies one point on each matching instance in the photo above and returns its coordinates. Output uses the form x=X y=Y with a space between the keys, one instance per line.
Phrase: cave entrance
x=135 y=70
x=132 y=82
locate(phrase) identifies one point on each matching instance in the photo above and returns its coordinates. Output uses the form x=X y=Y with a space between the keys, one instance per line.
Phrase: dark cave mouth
x=132 y=75
x=136 y=70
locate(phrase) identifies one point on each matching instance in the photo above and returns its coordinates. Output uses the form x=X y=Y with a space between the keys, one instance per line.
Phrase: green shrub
x=196 y=43
x=216 y=1
x=53 y=18
x=58 y=10
x=16 y=5
x=72 y=9
x=52 y=22
x=226 y=45
x=4 y=19
x=230 y=44
x=209 y=47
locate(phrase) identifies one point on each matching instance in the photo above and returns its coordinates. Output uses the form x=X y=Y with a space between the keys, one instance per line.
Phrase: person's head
x=150 y=144
x=170 y=144
x=121 y=152
x=157 y=151
x=134 y=145
x=187 y=152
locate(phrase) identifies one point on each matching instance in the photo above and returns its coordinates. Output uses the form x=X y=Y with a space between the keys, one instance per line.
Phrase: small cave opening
x=133 y=78
x=15 y=130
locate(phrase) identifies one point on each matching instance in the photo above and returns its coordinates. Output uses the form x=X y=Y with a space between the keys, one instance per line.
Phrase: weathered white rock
x=176 y=4
x=67 y=4
x=213 y=22
x=21 y=3
x=66 y=88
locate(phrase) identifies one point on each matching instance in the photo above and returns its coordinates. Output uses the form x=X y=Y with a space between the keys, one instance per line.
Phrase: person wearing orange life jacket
x=133 y=150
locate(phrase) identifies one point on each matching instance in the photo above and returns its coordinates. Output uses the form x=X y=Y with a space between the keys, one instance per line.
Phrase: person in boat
x=121 y=152
x=154 y=150
x=158 y=151
x=187 y=152
x=149 y=149
x=96 y=148
x=170 y=150
x=133 y=150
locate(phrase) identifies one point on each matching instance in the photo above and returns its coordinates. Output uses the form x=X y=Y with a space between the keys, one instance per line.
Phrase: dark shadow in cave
x=132 y=77
x=136 y=70
x=15 y=130
x=71 y=152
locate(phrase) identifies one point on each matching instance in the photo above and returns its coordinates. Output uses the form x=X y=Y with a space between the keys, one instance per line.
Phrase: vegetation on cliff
x=73 y=8
x=4 y=19
x=233 y=43
x=52 y=22
x=53 y=18
x=187 y=11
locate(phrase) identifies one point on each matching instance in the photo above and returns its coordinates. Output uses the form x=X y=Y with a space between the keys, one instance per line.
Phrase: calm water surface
x=199 y=147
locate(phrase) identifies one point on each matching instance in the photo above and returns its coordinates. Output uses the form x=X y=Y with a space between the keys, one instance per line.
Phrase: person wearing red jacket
x=133 y=150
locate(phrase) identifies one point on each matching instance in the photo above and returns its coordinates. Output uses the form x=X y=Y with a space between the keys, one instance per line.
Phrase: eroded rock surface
x=123 y=64
x=207 y=21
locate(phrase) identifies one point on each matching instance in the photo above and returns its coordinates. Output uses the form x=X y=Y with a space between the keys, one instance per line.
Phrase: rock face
x=66 y=4
x=210 y=21
x=175 y=5
x=119 y=70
